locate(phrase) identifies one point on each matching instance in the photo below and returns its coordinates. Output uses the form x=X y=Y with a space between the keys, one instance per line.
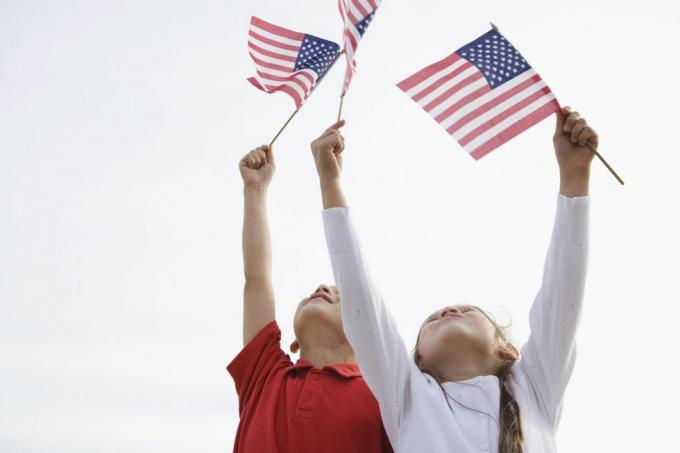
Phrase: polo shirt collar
x=343 y=370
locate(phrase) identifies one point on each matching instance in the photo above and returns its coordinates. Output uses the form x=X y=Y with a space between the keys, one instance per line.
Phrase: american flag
x=287 y=60
x=483 y=94
x=356 y=16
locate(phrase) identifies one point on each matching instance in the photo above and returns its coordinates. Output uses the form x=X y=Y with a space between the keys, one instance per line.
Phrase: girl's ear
x=508 y=352
x=294 y=347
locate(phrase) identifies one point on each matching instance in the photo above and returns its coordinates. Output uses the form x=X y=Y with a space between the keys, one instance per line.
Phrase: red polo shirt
x=298 y=408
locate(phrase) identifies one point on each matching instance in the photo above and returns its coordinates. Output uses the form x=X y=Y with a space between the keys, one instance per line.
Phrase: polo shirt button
x=481 y=415
x=315 y=375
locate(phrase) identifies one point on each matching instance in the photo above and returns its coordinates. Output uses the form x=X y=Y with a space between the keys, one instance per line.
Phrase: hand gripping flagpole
x=316 y=84
x=591 y=147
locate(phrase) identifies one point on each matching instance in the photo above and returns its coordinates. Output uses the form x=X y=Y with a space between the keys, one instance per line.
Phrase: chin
x=319 y=312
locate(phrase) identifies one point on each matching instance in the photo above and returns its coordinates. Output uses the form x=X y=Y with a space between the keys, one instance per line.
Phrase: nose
x=450 y=309
x=325 y=288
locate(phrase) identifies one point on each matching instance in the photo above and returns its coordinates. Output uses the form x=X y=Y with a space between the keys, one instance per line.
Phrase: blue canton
x=363 y=24
x=316 y=54
x=495 y=57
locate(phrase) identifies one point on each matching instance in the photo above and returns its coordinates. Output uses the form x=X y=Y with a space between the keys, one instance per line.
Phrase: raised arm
x=380 y=351
x=257 y=169
x=549 y=355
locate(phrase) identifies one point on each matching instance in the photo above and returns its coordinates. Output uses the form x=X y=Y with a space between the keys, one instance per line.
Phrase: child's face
x=319 y=309
x=457 y=331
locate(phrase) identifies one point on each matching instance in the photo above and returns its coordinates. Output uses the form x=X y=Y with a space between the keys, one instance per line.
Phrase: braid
x=511 y=436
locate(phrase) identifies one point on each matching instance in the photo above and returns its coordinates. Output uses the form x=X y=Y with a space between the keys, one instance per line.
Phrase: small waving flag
x=356 y=16
x=483 y=94
x=287 y=60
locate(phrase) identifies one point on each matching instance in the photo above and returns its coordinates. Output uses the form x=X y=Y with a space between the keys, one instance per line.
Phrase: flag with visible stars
x=483 y=94
x=356 y=16
x=288 y=61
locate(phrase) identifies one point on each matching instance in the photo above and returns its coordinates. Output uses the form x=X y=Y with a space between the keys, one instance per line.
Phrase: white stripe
x=272 y=60
x=367 y=6
x=483 y=118
x=448 y=84
x=483 y=99
x=503 y=125
x=271 y=48
x=457 y=96
x=274 y=37
x=414 y=90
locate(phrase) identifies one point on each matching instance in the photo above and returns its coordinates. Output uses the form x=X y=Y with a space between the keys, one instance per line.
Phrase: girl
x=466 y=388
x=319 y=404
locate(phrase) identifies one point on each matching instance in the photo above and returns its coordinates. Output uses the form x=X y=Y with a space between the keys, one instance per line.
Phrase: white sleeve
x=370 y=329
x=548 y=356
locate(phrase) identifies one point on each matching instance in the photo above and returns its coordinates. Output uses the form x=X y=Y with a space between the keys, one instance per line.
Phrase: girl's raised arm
x=549 y=355
x=380 y=350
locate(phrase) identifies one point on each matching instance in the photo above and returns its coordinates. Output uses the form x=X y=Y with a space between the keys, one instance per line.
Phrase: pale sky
x=121 y=127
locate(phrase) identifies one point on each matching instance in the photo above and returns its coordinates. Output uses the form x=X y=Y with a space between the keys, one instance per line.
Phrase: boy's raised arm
x=257 y=169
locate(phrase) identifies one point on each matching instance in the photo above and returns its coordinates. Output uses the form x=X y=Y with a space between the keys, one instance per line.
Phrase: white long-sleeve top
x=414 y=409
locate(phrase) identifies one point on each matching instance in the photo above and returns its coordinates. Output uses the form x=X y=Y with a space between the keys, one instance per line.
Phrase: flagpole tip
x=494 y=27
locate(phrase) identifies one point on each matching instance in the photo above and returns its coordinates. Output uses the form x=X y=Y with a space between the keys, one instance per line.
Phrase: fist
x=257 y=167
x=571 y=139
x=326 y=151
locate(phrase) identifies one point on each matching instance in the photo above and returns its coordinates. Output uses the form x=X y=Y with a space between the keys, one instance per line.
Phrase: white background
x=121 y=127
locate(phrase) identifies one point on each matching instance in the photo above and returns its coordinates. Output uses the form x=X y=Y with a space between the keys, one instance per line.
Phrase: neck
x=326 y=350
x=464 y=368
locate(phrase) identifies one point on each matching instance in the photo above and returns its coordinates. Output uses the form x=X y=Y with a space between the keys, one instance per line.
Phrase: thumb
x=269 y=153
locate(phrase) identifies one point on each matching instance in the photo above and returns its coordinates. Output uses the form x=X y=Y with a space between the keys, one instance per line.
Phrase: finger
x=587 y=135
x=261 y=156
x=337 y=125
x=576 y=129
x=569 y=122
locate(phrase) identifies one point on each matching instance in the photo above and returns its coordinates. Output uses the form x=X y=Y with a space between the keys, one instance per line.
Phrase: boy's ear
x=294 y=347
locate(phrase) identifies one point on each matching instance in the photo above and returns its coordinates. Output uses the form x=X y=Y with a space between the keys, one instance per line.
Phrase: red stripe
x=493 y=103
x=275 y=29
x=269 y=53
x=341 y=8
x=439 y=82
x=352 y=41
x=463 y=101
x=448 y=93
x=265 y=64
x=426 y=72
x=272 y=42
x=373 y=4
x=503 y=115
x=360 y=7
x=516 y=129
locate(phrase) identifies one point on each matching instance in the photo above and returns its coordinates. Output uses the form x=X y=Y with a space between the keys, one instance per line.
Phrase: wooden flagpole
x=342 y=99
x=283 y=127
x=606 y=164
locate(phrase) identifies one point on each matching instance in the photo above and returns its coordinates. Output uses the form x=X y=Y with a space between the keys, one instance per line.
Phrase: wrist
x=329 y=181
x=255 y=189
x=575 y=184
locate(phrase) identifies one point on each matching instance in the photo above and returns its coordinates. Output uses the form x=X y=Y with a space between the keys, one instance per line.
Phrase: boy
x=319 y=403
